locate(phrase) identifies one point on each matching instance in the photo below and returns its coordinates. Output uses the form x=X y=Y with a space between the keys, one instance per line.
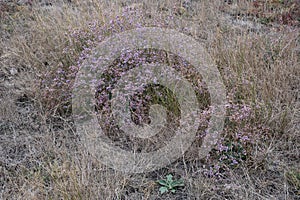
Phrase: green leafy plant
x=169 y=184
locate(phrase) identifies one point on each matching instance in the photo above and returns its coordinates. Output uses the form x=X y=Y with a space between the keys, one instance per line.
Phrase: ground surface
x=255 y=45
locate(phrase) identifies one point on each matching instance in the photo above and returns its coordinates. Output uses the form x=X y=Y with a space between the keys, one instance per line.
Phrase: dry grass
x=42 y=156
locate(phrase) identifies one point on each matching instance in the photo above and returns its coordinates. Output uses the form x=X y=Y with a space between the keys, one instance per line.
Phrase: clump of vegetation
x=169 y=184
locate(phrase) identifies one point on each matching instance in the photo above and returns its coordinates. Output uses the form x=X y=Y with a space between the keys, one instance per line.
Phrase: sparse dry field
x=255 y=45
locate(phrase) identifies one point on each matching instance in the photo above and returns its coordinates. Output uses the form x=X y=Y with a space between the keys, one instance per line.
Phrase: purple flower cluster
x=240 y=133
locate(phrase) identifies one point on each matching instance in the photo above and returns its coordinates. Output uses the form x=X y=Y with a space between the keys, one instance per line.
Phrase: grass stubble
x=257 y=55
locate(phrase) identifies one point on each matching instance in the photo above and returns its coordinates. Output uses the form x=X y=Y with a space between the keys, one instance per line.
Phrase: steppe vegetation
x=255 y=45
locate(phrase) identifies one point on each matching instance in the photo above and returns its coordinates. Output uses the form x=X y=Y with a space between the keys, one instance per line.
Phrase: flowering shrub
x=242 y=132
x=57 y=84
x=239 y=134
